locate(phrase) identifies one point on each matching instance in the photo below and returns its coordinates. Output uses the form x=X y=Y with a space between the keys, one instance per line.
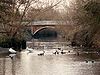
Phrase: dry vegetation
x=84 y=14
x=14 y=12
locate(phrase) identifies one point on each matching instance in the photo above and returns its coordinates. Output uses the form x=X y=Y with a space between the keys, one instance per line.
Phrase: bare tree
x=84 y=14
x=18 y=14
x=53 y=14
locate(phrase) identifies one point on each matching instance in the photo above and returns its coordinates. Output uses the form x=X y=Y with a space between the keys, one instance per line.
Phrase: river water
x=25 y=63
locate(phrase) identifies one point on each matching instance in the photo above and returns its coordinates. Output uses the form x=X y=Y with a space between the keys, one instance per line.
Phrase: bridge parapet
x=36 y=25
x=47 y=23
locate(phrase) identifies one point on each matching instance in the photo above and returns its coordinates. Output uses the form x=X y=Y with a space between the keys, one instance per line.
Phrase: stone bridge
x=39 y=25
x=47 y=28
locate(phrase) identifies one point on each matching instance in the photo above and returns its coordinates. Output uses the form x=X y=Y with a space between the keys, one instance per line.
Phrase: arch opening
x=45 y=33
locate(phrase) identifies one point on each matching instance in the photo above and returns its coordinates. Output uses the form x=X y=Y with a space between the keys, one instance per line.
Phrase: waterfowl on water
x=62 y=52
x=12 y=51
x=29 y=49
x=59 y=48
x=12 y=55
x=68 y=51
x=56 y=52
x=86 y=61
x=41 y=54
x=92 y=61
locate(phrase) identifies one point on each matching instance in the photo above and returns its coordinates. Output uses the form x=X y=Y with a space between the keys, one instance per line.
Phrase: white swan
x=29 y=49
x=12 y=51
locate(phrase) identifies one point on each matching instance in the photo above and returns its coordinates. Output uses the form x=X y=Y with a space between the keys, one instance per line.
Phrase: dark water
x=25 y=63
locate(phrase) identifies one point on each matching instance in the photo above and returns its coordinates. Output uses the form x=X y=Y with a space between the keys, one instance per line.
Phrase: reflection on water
x=49 y=64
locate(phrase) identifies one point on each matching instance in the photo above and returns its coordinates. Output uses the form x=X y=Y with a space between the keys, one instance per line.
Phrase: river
x=24 y=63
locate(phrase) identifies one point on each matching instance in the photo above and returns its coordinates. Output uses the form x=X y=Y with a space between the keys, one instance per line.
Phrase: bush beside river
x=17 y=44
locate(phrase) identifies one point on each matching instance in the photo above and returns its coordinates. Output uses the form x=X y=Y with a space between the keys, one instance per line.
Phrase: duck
x=86 y=61
x=68 y=51
x=62 y=52
x=12 y=51
x=29 y=49
x=92 y=61
x=12 y=55
x=59 y=48
x=56 y=52
x=41 y=54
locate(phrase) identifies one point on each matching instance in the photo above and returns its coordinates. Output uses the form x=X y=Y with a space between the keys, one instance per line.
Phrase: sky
x=59 y=7
x=44 y=3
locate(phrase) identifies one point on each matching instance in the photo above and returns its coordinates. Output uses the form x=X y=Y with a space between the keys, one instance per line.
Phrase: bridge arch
x=45 y=32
